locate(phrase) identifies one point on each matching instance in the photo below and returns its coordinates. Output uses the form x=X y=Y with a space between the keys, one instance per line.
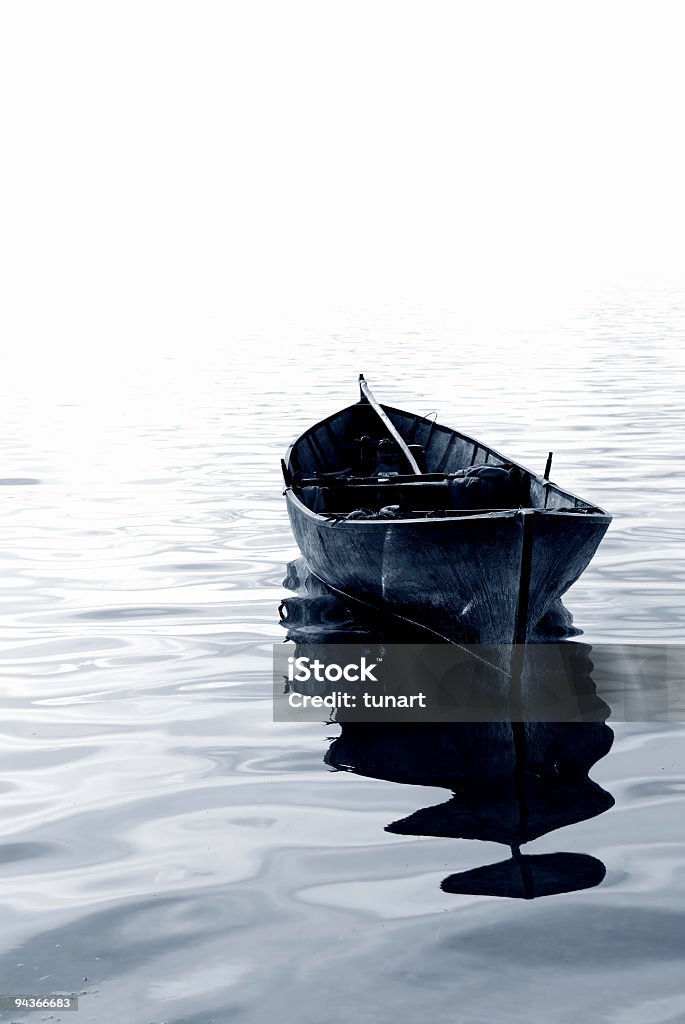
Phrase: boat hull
x=460 y=577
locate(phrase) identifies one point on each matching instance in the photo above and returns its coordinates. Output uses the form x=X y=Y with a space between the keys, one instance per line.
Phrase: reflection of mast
x=511 y=782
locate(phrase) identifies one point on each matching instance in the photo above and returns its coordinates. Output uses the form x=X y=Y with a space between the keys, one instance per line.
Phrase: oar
x=368 y=395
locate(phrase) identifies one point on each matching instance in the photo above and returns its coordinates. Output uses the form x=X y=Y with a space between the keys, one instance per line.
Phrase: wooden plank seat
x=491 y=487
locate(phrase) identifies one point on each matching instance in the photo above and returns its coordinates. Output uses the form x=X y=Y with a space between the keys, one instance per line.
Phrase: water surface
x=171 y=853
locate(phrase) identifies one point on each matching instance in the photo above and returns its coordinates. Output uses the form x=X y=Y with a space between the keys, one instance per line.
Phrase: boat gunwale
x=507 y=513
x=596 y=515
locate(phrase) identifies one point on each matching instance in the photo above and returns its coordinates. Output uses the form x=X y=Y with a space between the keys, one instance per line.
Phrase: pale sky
x=170 y=168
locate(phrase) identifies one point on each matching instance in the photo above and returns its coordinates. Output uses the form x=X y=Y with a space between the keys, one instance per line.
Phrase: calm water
x=171 y=853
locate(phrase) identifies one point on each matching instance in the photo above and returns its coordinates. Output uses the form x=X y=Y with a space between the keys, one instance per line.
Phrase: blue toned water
x=169 y=852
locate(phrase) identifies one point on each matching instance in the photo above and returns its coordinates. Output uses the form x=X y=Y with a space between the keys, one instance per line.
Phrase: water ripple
x=162 y=838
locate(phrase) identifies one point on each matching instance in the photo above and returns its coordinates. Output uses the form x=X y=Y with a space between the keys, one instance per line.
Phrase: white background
x=172 y=170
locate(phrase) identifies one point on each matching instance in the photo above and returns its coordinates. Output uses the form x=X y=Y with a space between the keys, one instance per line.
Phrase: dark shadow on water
x=509 y=782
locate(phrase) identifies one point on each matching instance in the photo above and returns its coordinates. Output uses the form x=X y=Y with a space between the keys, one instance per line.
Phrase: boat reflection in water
x=510 y=782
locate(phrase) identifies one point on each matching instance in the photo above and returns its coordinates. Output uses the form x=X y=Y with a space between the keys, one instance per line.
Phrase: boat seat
x=488 y=487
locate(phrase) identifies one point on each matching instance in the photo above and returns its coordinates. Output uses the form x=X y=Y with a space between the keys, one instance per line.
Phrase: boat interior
x=349 y=466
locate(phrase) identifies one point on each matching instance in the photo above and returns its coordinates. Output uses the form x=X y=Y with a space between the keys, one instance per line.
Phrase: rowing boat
x=412 y=518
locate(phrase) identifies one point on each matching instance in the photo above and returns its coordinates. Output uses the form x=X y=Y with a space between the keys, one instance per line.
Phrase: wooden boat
x=412 y=518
